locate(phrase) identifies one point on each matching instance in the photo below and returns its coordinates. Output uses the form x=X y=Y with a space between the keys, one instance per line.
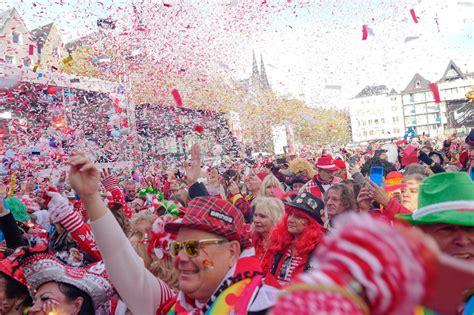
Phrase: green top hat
x=444 y=198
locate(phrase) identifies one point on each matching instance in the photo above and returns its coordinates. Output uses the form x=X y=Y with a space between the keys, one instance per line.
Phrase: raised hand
x=108 y=180
x=193 y=168
x=364 y=201
x=83 y=176
x=377 y=193
x=58 y=207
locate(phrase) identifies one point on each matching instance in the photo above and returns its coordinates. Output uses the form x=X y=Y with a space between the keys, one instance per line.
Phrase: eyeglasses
x=191 y=248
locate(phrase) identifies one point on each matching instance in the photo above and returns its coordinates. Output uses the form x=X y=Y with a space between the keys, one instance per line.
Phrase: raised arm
x=124 y=267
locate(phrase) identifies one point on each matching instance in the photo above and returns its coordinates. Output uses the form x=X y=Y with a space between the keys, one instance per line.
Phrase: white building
x=420 y=110
x=376 y=113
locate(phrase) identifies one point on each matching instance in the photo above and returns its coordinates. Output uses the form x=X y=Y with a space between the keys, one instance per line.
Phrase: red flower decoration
x=199 y=129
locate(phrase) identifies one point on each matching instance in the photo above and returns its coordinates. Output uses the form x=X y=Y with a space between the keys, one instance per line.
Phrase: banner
x=460 y=113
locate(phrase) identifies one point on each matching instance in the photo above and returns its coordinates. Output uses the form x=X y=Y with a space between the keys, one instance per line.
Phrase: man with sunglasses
x=213 y=257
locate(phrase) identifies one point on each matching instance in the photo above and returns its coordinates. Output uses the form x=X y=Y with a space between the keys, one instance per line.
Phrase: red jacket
x=394 y=208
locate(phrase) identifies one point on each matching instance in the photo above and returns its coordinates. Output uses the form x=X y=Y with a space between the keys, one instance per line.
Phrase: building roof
x=393 y=92
x=6 y=15
x=417 y=83
x=452 y=72
x=85 y=40
x=373 y=90
x=41 y=33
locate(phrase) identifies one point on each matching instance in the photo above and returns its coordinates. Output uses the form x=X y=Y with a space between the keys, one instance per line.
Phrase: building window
x=417 y=84
x=376 y=121
x=412 y=98
x=16 y=38
x=382 y=120
x=370 y=121
x=10 y=59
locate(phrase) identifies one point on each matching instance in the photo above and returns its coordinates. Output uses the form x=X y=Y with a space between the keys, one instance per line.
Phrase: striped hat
x=41 y=268
x=213 y=215
x=326 y=162
x=444 y=198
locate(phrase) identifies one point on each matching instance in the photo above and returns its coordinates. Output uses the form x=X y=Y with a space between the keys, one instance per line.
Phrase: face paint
x=209 y=265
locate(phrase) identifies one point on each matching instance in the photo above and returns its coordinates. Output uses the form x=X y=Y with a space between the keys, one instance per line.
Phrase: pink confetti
x=177 y=98
x=413 y=15
x=167 y=5
x=365 y=32
x=434 y=89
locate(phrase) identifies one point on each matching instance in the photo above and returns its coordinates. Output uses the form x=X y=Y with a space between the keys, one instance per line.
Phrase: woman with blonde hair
x=268 y=213
x=269 y=183
x=152 y=247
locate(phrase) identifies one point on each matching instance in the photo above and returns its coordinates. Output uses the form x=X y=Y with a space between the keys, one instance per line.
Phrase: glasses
x=191 y=248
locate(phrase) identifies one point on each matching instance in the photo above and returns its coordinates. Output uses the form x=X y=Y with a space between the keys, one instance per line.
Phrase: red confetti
x=365 y=32
x=435 y=90
x=177 y=98
x=31 y=50
x=413 y=15
x=167 y=5
x=199 y=129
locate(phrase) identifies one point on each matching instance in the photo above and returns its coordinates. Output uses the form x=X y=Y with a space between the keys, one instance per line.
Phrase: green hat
x=444 y=198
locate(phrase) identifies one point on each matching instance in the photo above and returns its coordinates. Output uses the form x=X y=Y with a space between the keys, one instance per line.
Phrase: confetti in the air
x=413 y=15
x=177 y=98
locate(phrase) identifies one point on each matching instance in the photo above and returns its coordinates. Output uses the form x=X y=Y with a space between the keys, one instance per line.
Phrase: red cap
x=213 y=215
x=326 y=162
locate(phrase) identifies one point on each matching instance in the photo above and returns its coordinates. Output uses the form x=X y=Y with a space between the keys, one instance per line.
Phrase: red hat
x=213 y=215
x=93 y=280
x=326 y=162
x=262 y=175
x=11 y=267
x=340 y=164
x=393 y=181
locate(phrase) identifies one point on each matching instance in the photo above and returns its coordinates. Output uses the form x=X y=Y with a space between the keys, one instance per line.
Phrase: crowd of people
x=315 y=233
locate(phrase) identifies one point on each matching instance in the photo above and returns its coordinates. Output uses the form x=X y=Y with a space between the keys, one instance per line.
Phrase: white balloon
x=10 y=77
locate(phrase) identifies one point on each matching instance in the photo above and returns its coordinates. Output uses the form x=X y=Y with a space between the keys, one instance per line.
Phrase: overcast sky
x=306 y=44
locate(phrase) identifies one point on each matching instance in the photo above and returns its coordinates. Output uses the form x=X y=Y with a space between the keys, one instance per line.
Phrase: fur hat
x=301 y=167
x=42 y=268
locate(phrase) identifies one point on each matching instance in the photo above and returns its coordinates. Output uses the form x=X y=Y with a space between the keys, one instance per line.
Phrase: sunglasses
x=191 y=248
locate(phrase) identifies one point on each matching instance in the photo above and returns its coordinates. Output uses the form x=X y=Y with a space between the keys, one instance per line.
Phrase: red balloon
x=51 y=90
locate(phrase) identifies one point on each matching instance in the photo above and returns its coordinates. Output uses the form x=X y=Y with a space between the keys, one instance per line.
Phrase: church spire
x=255 y=79
x=265 y=86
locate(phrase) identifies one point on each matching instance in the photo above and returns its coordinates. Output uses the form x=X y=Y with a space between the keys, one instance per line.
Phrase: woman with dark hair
x=293 y=240
x=14 y=295
x=62 y=289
